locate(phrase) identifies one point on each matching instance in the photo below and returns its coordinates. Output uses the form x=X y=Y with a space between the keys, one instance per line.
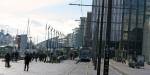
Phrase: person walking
x=36 y=56
x=27 y=60
x=16 y=56
x=7 y=60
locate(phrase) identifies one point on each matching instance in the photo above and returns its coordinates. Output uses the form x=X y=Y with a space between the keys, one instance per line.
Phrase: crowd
x=28 y=57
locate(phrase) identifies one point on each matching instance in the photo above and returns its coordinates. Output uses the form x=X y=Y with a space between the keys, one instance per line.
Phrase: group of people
x=40 y=56
x=47 y=57
x=37 y=56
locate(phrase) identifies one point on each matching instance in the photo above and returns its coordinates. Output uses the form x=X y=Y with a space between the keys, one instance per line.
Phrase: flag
x=51 y=28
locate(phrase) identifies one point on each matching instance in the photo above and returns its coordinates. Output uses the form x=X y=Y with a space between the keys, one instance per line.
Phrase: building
x=116 y=24
x=81 y=36
x=126 y=25
x=6 y=39
x=22 y=43
x=70 y=40
x=53 y=43
x=78 y=34
x=133 y=22
x=87 y=31
x=81 y=31
x=146 y=32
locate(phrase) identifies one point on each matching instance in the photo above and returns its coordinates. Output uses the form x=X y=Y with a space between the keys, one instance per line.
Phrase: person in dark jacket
x=27 y=60
x=36 y=56
x=16 y=56
x=7 y=60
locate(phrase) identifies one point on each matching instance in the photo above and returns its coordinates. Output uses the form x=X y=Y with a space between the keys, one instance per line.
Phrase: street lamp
x=54 y=38
x=57 y=39
x=51 y=38
x=30 y=46
x=48 y=39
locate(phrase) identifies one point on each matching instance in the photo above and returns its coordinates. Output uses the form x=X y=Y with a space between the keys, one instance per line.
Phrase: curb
x=123 y=73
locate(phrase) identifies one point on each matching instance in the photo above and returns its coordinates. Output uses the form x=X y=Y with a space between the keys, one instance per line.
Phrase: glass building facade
x=146 y=32
x=133 y=22
x=128 y=19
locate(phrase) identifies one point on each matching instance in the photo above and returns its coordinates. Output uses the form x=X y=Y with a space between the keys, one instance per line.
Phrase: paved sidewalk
x=125 y=70
x=83 y=68
x=67 y=67
x=88 y=69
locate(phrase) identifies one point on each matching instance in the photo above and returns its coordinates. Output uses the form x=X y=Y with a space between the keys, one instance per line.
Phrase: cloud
x=36 y=23
x=15 y=14
x=25 y=5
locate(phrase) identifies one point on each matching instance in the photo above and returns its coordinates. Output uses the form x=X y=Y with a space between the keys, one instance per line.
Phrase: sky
x=14 y=16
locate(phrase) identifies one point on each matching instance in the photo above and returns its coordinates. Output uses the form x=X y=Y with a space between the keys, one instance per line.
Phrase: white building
x=5 y=39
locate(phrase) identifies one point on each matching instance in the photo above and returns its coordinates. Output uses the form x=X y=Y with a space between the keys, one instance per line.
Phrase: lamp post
x=48 y=39
x=108 y=34
x=59 y=40
x=30 y=46
x=54 y=39
x=100 y=37
x=51 y=39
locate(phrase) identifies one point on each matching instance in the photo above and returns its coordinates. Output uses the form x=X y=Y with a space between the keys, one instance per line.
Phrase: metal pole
x=58 y=41
x=122 y=31
x=30 y=46
x=48 y=39
x=144 y=12
x=51 y=39
x=51 y=44
x=129 y=26
x=96 y=41
x=61 y=40
x=54 y=39
x=108 y=42
x=100 y=35
x=136 y=41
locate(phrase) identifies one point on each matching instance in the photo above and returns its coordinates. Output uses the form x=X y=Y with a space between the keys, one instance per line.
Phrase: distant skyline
x=14 y=15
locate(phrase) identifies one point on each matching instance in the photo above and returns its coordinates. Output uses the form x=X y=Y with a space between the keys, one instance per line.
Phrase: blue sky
x=14 y=15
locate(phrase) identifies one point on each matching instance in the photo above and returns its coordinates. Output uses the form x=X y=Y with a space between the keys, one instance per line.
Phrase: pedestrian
x=27 y=60
x=13 y=56
x=7 y=60
x=36 y=56
x=51 y=58
x=123 y=60
x=71 y=56
x=16 y=56
x=44 y=57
